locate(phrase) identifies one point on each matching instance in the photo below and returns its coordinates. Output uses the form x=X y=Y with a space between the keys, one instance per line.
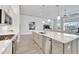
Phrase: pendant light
x=49 y=20
x=65 y=14
x=43 y=22
x=58 y=17
x=43 y=13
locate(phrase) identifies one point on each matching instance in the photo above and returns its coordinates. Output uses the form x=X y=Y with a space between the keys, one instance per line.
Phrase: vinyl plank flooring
x=27 y=46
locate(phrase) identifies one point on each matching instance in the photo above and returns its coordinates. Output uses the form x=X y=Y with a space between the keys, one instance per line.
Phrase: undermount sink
x=42 y=32
x=6 y=37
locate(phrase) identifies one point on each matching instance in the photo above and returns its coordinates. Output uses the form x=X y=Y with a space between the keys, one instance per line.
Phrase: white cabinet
x=8 y=50
x=13 y=12
x=43 y=42
x=71 y=47
x=49 y=45
x=57 y=47
x=38 y=39
x=67 y=48
x=46 y=46
x=78 y=46
x=6 y=8
x=74 y=47
x=35 y=37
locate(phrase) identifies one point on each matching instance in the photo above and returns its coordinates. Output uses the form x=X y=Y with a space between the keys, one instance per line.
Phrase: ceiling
x=47 y=11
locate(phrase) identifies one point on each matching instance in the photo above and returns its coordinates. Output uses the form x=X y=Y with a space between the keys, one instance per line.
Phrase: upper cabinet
x=15 y=9
x=6 y=8
x=10 y=14
x=10 y=9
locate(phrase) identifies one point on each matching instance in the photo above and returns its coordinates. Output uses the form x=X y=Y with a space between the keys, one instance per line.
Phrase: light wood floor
x=27 y=46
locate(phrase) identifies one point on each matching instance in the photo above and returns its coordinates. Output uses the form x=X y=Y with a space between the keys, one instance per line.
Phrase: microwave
x=5 y=18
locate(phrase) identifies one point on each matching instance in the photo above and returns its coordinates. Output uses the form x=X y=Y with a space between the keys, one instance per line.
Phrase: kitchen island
x=56 y=42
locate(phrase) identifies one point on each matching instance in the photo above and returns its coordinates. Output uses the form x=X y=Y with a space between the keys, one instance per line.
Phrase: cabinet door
x=40 y=41
x=78 y=46
x=35 y=37
x=57 y=47
x=8 y=50
x=74 y=46
x=68 y=48
x=46 y=45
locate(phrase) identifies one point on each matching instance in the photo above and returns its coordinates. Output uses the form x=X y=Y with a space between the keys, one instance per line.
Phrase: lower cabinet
x=40 y=41
x=49 y=45
x=74 y=47
x=46 y=45
x=35 y=37
x=71 y=47
x=68 y=48
x=57 y=47
x=8 y=50
x=78 y=46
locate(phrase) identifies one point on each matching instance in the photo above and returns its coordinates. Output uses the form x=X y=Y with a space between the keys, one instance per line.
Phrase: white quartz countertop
x=61 y=37
x=7 y=33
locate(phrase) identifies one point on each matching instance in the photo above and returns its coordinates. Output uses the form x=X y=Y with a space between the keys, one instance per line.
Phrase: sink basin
x=6 y=37
x=42 y=32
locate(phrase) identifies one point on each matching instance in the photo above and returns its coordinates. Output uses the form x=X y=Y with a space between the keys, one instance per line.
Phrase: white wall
x=25 y=20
